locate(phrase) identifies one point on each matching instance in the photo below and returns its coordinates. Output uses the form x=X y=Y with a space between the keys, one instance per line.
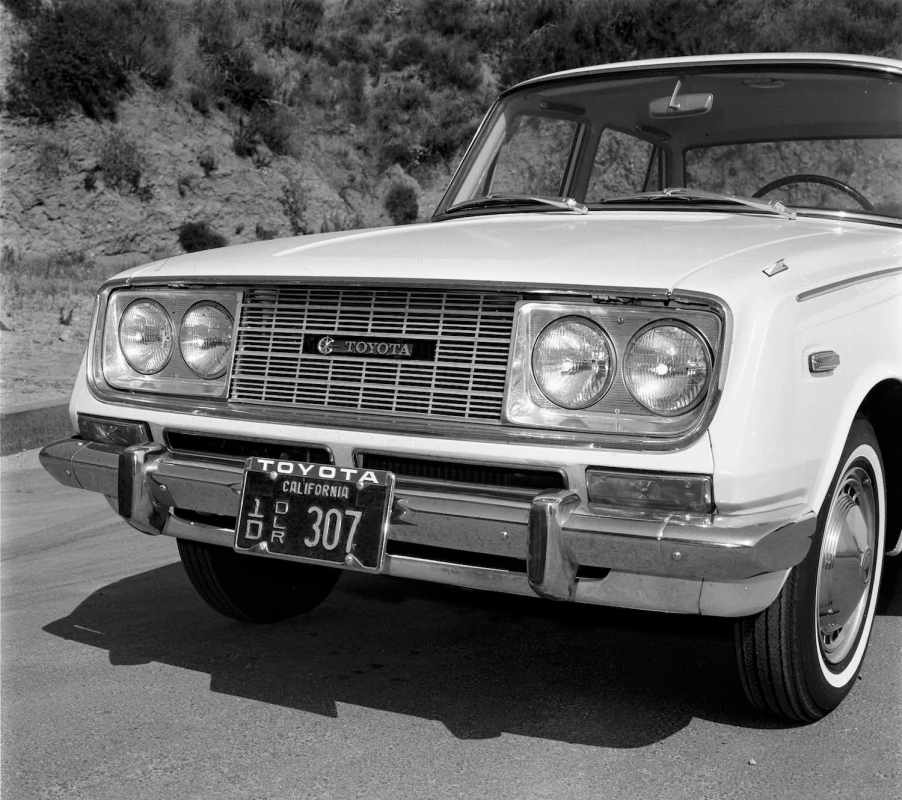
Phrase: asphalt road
x=117 y=682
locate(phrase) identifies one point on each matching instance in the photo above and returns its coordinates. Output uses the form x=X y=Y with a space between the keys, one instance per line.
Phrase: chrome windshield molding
x=838 y=286
x=441 y=429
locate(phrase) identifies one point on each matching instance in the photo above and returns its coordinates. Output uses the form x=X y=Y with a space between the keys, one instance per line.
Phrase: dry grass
x=46 y=305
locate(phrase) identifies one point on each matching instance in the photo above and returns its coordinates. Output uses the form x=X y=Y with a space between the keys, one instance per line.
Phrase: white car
x=647 y=353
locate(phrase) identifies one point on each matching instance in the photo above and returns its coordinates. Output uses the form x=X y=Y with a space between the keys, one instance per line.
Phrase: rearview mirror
x=681 y=105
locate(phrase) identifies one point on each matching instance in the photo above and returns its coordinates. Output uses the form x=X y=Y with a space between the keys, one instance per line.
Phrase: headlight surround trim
x=109 y=365
x=617 y=416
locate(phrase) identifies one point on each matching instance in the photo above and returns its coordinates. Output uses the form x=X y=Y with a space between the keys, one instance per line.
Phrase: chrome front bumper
x=722 y=566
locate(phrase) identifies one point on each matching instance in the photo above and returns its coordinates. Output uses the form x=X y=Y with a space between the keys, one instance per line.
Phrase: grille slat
x=466 y=380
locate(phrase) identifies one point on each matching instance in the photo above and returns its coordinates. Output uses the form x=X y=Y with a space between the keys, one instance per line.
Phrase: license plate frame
x=314 y=513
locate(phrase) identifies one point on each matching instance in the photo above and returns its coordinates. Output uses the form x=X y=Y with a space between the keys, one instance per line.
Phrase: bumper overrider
x=554 y=546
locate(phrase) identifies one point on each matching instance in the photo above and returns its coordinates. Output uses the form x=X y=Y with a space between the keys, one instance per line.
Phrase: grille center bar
x=424 y=353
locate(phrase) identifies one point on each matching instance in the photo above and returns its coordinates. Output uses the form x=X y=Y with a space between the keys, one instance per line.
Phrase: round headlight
x=205 y=339
x=573 y=362
x=667 y=368
x=145 y=336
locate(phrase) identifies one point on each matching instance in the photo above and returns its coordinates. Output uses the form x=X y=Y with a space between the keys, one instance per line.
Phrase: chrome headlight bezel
x=176 y=377
x=617 y=413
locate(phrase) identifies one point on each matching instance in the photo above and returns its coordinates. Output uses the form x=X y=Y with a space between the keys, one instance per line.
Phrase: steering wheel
x=824 y=180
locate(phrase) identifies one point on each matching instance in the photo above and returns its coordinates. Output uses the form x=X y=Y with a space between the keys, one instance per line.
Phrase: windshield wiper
x=521 y=201
x=683 y=195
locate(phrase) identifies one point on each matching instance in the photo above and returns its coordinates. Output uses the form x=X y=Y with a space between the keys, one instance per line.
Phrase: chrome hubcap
x=846 y=564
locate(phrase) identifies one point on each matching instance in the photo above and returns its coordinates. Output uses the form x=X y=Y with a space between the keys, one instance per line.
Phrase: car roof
x=740 y=59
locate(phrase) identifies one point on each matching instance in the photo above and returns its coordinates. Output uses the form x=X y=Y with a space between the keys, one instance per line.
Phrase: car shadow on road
x=481 y=664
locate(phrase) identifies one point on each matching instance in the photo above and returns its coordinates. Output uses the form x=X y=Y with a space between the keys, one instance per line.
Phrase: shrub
x=263 y=233
x=244 y=142
x=397 y=121
x=194 y=236
x=454 y=121
x=240 y=82
x=275 y=126
x=207 y=162
x=294 y=206
x=199 y=98
x=51 y=157
x=356 y=106
x=79 y=54
x=341 y=221
x=66 y=62
x=401 y=203
x=23 y=9
x=455 y=62
x=294 y=26
x=121 y=162
x=447 y=17
x=229 y=60
x=410 y=50
x=346 y=45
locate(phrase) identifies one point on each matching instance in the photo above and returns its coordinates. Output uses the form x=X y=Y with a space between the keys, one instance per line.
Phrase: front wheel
x=252 y=589
x=800 y=657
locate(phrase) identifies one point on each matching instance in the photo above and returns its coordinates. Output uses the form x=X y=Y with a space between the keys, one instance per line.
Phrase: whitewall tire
x=800 y=657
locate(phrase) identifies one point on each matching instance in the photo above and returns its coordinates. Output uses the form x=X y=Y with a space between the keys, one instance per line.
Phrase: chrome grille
x=472 y=331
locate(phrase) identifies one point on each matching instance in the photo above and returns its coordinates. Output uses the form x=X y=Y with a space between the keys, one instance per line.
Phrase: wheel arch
x=882 y=407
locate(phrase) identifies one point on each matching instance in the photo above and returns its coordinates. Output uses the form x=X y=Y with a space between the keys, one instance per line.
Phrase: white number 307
x=328 y=527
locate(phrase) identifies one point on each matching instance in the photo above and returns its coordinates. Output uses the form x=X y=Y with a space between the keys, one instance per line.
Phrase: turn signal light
x=650 y=491
x=121 y=432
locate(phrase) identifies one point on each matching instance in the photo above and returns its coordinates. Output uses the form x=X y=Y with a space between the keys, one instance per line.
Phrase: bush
x=294 y=206
x=398 y=119
x=230 y=61
x=355 y=103
x=244 y=143
x=199 y=99
x=447 y=17
x=51 y=158
x=194 y=236
x=410 y=50
x=536 y=36
x=23 y=9
x=401 y=203
x=79 y=54
x=121 y=162
x=66 y=62
x=207 y=162
x=239 y=81
x=294 y=25
x=275 y=127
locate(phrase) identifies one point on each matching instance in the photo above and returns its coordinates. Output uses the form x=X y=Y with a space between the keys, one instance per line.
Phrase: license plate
x=314 y=513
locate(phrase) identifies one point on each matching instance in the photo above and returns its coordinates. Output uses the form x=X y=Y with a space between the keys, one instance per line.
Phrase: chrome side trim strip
x=837 y=286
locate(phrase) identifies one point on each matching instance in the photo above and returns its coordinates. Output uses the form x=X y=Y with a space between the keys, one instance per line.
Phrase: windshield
x=816 y=139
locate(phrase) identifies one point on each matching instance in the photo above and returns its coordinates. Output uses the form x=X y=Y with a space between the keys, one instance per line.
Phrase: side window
x=620 y=165
x=534 y=158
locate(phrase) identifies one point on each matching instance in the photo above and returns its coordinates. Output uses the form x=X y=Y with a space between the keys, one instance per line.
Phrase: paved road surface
x=117 y=682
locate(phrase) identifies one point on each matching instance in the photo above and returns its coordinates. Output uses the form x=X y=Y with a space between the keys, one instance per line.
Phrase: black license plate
x=314 y=512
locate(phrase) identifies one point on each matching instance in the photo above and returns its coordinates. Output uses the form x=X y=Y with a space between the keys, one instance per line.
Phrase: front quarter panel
x=779 y=431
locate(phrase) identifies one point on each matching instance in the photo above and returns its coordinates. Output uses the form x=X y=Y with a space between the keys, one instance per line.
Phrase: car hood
x=642 y=250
